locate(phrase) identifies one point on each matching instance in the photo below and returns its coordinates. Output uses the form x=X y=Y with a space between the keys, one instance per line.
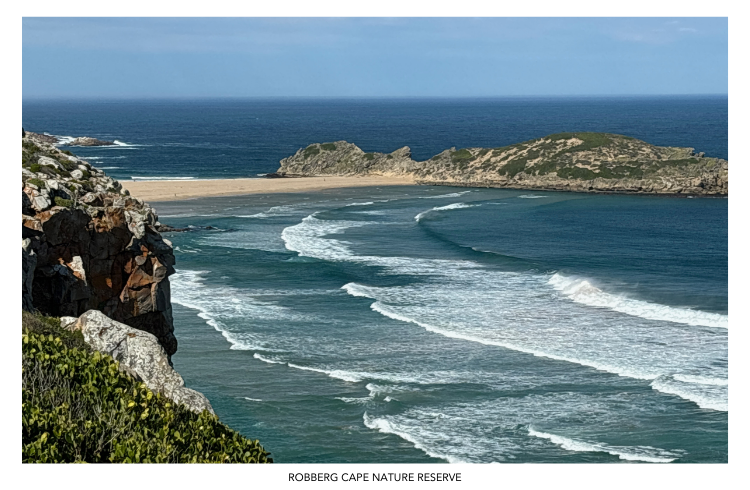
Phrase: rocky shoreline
x=579 y=162
x=93 y=255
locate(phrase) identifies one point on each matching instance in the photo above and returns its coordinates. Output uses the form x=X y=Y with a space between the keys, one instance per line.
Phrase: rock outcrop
x=584 y=162
x=139 y=354
x=87 y=141
x=88 y=245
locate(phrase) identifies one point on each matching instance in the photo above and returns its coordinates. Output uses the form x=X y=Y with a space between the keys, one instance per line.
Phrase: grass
x=37 y=182
x=328 y=146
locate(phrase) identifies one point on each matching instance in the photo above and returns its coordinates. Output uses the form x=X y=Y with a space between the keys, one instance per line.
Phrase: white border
x=579 y=476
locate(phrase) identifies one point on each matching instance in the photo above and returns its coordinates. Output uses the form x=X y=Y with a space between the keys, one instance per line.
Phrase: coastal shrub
x=461 y=156
x=576 y=173
x=68 y=165
x=28 y=145
x=590 y=140
x=86 y=174
x=513 y=167
x=67 y=152
x=310 y=151
x=78 y=407
x=389 y=157
x=328 y=146
x=66 y=203
x=37 y=182
x=369 y=156
x=35 y=167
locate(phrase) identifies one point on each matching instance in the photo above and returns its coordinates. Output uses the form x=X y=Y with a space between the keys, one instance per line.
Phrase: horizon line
x=206 y=97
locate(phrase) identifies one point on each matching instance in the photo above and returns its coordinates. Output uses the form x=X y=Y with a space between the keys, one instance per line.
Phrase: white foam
x=582 y=291
x=458 y=205
x=646 y=454
x=222 y=306
x=109 y=168
x=441 y=196
x=513 y=315
x=530 y=196
x=389 y=427
x=356 y=401
x=361 y=203
x=61 y=140
x=267 y=359
x=285 y=210
x=252 y=399
x=711 y=395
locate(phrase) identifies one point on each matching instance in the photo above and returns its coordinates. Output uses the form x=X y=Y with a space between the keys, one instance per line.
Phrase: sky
x=373 y=57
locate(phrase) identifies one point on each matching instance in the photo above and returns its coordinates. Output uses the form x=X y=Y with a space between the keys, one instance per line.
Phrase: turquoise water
x=434 y=324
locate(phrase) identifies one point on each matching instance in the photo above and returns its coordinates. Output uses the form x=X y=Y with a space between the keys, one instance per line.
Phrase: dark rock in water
x=166 y=228
x=87 y=141
x=275 y=175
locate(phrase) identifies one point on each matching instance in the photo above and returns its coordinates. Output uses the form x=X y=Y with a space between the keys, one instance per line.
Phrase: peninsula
x=582 y=162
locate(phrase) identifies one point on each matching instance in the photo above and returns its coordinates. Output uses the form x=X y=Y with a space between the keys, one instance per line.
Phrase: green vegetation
x=86 y=174
x=518 y=164
x=66 y=203
x=78 y=407
x=328 y=146
x=35 y=167
x=590 y=140
x=311 y=151
x=462 y=155
x=389 y=157
x=369 y=156
x=68 y=165
x=576 y=173
x=31 y=147
x=37 y=182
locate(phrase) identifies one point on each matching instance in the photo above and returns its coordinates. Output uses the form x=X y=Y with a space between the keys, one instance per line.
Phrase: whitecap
x=458 y=205
x=582 y=291
x=441 y=196
x=646 y=454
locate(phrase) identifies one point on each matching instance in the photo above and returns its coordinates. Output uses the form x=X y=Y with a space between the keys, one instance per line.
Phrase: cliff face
x=588 y=162
x=88 y=245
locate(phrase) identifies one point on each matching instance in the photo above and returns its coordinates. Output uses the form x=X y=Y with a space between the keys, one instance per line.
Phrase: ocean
x=436 y=324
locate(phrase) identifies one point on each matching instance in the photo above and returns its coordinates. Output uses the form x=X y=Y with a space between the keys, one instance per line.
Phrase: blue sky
x=454 y=57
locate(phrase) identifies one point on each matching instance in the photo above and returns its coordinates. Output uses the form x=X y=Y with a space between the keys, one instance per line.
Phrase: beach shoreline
x=176 y=190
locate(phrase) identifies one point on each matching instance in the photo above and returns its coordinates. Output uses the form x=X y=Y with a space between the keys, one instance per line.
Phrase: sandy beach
x=173 y=190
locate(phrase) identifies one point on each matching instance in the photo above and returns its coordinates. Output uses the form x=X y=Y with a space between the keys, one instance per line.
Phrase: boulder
x=140 y=355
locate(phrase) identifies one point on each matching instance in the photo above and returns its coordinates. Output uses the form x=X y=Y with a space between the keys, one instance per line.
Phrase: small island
x=581 y=162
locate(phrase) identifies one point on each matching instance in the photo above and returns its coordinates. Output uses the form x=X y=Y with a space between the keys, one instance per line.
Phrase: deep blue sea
x=436 y=324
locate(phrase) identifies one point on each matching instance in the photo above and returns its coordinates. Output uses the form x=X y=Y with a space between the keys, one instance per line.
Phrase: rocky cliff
x=586 y=162
x=88 y=245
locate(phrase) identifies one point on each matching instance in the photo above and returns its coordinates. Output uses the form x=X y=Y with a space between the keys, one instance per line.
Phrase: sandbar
x=177 y=190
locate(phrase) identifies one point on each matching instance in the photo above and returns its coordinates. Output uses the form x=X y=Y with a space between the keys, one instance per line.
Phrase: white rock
x=68 y=322
x=49 y=161
x=76 y=174
x=141 y=356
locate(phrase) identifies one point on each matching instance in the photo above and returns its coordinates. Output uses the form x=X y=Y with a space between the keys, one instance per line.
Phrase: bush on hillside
x=78 y=407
